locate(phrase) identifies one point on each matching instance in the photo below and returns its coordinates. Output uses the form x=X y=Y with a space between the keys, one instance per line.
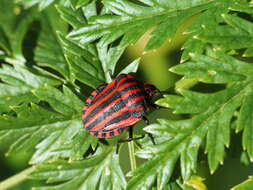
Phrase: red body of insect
x=113 y=108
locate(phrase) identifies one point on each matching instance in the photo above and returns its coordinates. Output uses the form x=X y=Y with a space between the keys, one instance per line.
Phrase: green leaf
x=65 y=142
x=13 y=30
x=79 y=3
x=49 y=51
x=89 y=64
x=167 y=29
x=41 y=111
x=132 y=67
x=4 y=43
x=65 y=103
x=197 y=183
x=214 y=110
x=55 y=131
x=246 y=124
x=53 y=145
x=101 y=170
x=84 y=72
x=246 y=185
x=84 y=64
x=73 y=17
x=173 y=139
x=190 y=46
x=90 y=9
x=55 y=135
x=18 y=85
x=210 y=70
x=27 y=127
x=132 y=20
x=237 y=34
x=14 y=95
x=41 y=4
x=109 y=58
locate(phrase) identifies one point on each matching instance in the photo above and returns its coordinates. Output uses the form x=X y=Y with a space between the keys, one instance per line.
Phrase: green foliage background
x=55 y=52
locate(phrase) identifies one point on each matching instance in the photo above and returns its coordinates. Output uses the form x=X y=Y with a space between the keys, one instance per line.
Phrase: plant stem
x=131 y=155
x=13 y=180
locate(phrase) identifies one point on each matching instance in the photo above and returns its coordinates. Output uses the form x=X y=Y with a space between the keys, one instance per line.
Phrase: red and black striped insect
x=113 y=108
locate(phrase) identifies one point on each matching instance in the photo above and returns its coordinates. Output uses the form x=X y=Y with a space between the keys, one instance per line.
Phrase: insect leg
x=130 y=137
x=152 y=138
x=117 y=148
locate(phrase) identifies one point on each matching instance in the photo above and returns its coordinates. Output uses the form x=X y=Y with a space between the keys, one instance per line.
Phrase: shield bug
x=113 y=108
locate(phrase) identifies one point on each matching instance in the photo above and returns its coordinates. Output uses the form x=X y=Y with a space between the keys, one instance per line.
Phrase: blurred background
x=153 y=69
